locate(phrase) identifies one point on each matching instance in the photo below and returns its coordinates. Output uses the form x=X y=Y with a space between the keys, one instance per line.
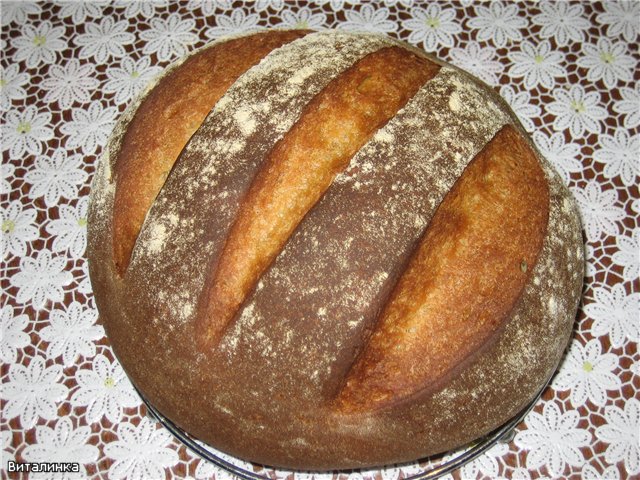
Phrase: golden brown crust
x=166 y=120
x=265 y=393
x=301 y=167
x=482 y=243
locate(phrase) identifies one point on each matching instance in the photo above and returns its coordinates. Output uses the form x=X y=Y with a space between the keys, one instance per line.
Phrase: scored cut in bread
x=324 y=250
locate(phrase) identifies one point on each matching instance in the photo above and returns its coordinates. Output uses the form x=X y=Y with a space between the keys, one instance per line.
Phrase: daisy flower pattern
x=208 y=7
x=432 y=26
x=478 y=61
x=141 y=452
x=39 y=44
x=599 y=210
x=368 y=19
x=79 y=10
x=621 y=18
x=59 y=176
x=11 y=85
x=620 y=156
x=520 y=474
x=104 y=40
x=562 y=155
x=6 y=437
x=577 y=110
x=391 y=3
x=615 y=313
x=169 y=37
x=6 y=172
x=17 y=11
x=538 y=65
x=520 y=103
x=41 y=279
x=146 y=8
x=553 y=439
x=621 y=433
x=590 y=473
x=588 y=374
x=497 y=22
x=233 y=24
x=71 y=333
x=262 y=5
x=70 y=230
x=337 y=4
x=206 y=470
x=313 y=476
x=62 y=444
x=105 y=390
x=24 y=132
x=302 y=18
x=130 y=78
x=486 y=464
x=69 y=84
x=608 y=62
x=590 y=268
x=18 y=229
x=562 y=21
x=32 y=392
x=627 y=255
x=90 y=128
x=629 y=106
x=355 y=476
x=84 y=283
x=13 y=336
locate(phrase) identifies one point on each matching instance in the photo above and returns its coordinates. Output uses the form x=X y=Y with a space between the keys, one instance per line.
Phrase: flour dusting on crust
x=344 y=257
x=218 y=164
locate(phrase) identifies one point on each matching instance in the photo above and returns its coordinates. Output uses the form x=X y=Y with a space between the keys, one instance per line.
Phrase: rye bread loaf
x=330 y=250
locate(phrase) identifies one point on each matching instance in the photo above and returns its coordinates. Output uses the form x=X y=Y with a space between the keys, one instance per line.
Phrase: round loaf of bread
x=322 y=250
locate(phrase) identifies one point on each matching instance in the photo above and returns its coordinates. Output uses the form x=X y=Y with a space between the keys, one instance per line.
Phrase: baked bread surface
x=415 y=291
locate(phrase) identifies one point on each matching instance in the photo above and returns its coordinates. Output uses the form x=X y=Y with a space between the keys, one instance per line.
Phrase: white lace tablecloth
x=569 y=69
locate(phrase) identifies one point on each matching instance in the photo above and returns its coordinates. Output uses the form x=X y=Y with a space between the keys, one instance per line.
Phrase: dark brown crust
x=484 y=239
x=165 y=121
x=300 y=168
x=263 y=395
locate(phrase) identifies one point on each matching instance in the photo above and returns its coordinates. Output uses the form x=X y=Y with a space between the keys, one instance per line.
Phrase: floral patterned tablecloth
x=68 y=70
